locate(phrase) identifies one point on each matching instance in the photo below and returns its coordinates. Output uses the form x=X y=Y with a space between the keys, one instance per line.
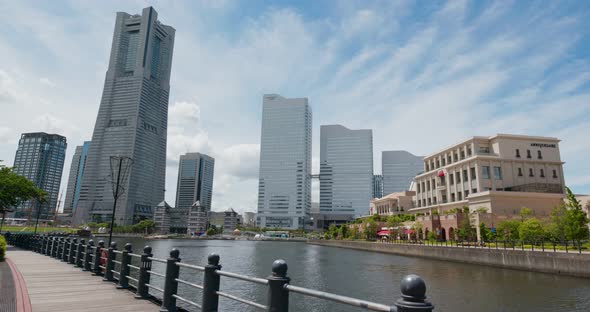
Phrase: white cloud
x=47 y=82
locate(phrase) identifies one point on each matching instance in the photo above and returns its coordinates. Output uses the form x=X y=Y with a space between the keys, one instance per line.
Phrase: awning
x=383 y=233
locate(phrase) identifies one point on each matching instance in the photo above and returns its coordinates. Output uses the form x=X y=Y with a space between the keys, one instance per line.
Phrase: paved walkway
x=56 y=286
x=7 y=291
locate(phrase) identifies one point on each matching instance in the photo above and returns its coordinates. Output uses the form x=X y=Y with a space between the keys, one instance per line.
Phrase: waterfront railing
x=116 y=266
x=567 y=246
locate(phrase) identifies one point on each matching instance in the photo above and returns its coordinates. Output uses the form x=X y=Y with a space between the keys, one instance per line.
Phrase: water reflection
x=371 y=276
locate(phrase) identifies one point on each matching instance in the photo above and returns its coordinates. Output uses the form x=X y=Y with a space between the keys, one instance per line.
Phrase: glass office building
x=132 y=122
x=195 y=180
x=40 y=158
x=346 y=170
x=284 y=189
x=399 y=169
x=75 y=179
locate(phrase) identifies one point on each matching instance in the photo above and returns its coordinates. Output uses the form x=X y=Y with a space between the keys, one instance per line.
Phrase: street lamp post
x=121 y=165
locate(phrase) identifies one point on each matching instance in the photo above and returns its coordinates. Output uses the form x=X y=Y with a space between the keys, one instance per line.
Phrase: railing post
x=110 y=265
x=88 y=256
x=211 y=284
x=79 y=259
x=48 y=246
x=278 y=296
x=97 y=254
x=54 y=244
x=170 y=283
x=64 y=249
x=144 y=276
x=413 y=295
x=73 y=249
x=124 y=270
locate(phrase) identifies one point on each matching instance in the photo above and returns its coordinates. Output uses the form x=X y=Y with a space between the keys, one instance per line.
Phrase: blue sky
x=421 y=74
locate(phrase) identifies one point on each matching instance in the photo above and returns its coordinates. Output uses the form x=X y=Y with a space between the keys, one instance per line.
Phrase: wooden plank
x=53 y=285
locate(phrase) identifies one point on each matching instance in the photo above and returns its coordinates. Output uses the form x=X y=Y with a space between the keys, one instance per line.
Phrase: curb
x=23 y=302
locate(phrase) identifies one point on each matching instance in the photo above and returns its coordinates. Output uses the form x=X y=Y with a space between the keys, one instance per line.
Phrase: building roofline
x=496 y=136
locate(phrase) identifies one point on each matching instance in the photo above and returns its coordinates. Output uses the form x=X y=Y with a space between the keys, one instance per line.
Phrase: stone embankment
x=573 y=264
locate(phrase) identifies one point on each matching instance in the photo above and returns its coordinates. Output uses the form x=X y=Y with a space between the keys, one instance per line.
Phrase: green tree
x=371 y=229
x=525 y=213
x=485 y=233
x=431 y=236
x=465 y=231
x=15 y=189
x=211 y=231
x=92 y=225
x=508 y=229
x=576 y=218
x=342 y=232
x=531 y=230
x=144 y=226
x=332 y=230
x=569 y=221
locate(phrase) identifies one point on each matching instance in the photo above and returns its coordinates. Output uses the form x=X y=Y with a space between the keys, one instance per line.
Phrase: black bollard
x=97 y=254
x=88 y=256
x=413 y=295
x=73 y=248
x=124 y=269
x=170 y=283
x=79 y=258
x=278 y=296
x=110 y=265
x=144 y=276
x=211 y=284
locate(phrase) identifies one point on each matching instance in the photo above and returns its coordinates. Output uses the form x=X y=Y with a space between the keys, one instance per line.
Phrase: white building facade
x=346 y=170
x=499 y=174
x=284 y=189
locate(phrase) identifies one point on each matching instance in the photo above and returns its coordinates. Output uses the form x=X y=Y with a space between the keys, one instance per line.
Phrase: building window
x=418 y=187
x=449 y=159
x=539 y=155
x=452 y=197
x=531 y=172
x=428 y=185
x=542 y=173
x=459 y=196
x=473 y=174
x=473 y=191
x=437 y=164
x=444 y=160
x=458 y=175
x=520 y=172
x=462 y=155
x=554 y=174
x=469 y=152
x=528 y=154
x=485 y=172
x=465 y=176
x=498 y=173
x=451 y=179
x=455 y=157
x=466 y=194
x=517 y=153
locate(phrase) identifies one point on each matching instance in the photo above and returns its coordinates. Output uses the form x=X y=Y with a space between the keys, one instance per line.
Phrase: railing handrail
x=70 y=250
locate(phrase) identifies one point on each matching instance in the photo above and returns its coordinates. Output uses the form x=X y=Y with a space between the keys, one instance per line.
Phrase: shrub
x=2 y=248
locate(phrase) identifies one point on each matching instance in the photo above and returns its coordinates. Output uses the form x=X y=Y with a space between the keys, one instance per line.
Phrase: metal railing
x=117 y=268
x=574 y=246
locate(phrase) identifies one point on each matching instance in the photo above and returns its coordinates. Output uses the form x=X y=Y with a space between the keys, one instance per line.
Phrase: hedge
x=2 y=248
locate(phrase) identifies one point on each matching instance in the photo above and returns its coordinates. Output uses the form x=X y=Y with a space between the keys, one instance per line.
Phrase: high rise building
x=195 y=180
x=40 y=159
x=284 y=187
x=346 y=170
x=132 y=122
x=75 y=179
x=377 y=186
x=399 y=169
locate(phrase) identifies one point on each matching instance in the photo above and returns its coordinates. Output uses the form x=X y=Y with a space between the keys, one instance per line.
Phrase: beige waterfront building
x=392 y=204
x=494 y=176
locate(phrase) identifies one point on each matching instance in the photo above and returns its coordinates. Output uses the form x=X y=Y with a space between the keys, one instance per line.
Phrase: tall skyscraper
x=346 y=170
x=377 y=186
x=195 y=180
x=40 y=158
x=132 y=122
x=284 y=187
x=399 y=169
x=75 y=179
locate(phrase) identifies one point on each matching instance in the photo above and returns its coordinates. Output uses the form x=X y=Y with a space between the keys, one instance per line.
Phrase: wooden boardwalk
x=56 y=286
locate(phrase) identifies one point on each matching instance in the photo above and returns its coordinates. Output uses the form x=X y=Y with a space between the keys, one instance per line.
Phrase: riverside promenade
x=52 y=285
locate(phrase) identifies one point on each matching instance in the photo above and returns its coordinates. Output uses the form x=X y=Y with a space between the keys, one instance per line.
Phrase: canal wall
x=573 y=264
